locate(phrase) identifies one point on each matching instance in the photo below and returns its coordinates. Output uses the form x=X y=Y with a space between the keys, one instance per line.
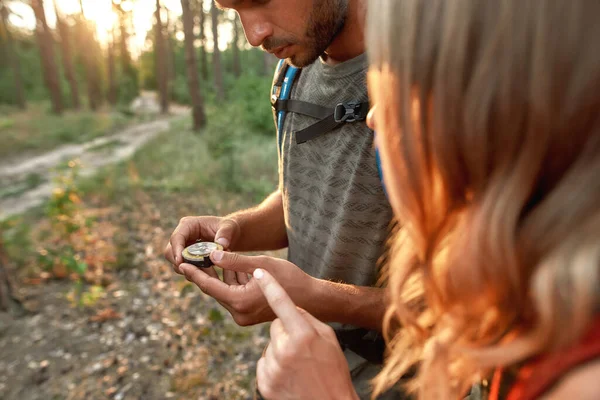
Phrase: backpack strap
x=341 y=114
x=329 y=118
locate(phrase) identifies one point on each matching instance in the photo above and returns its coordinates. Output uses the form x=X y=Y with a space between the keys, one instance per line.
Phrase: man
x=330 y=209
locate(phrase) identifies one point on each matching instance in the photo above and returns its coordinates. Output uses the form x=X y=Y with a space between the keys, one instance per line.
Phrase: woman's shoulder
x=570 y=373
x=564 y=370
x=582 y=383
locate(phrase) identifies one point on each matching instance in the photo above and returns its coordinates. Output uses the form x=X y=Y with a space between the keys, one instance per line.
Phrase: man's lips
x=280 y=52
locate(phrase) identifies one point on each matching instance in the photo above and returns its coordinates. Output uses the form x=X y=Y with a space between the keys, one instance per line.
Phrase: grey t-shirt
x=335 y=207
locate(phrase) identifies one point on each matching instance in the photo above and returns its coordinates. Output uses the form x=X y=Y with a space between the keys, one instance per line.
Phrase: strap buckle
x=348 y=112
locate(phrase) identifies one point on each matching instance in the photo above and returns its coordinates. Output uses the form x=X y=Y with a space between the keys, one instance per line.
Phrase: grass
x=35 y=130
x=183 y=162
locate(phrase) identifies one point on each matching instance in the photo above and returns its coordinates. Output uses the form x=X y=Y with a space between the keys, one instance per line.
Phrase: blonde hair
x=498 y=161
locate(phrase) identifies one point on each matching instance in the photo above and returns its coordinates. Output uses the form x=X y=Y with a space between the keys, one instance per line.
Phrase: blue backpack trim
x=380 y=169
x=284 y=94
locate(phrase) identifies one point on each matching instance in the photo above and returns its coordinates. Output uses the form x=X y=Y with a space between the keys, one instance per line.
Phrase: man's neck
x=350 y=42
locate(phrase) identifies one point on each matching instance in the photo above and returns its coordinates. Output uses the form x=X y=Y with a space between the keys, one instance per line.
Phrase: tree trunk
x=125 y=59
x=190 y=63
x=13 y=57
x=84 y=37
x=65 y=43
x=112 y=75
x=161 y=66
x=8 y=302
x=170 y=30
x=45 y=42
x=237 y=67
x=218 y=72
x=125 y=18
x=203 y=61
x=170 y=54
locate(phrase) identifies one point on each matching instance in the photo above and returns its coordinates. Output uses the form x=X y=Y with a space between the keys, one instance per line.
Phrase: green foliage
x=63 y=205
x=67 y=245
x=16 y=237
x=32 y=73
x=7 y=88
x=250 y=95
x=215 y=316
x=6 y=122
x=180 y=92
x=86 y=298
x=127 y=89
x=147 y=69
x=64 y=212
x=251 y=61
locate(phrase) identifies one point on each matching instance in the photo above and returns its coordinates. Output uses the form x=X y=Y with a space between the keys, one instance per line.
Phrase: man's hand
x=304 y=359
x=245 y=301
x=224 y=231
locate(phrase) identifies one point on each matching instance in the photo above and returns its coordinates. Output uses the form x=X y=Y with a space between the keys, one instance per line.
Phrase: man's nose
x=256 y=28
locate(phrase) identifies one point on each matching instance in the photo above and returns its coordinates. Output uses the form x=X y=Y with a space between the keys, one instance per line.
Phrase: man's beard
x=325 y=22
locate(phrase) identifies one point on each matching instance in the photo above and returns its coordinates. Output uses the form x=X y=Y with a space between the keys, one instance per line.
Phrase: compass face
x=202 y=248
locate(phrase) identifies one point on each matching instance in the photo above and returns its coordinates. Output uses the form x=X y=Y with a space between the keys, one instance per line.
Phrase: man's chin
x=301 y=60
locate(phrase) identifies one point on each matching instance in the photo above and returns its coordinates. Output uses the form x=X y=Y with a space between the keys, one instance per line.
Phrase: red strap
x=536 y=377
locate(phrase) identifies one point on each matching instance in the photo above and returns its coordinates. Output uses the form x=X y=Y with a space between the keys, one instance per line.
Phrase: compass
x=198 y=254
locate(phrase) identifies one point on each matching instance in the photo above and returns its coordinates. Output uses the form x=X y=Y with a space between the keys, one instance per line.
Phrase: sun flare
x=105 y=19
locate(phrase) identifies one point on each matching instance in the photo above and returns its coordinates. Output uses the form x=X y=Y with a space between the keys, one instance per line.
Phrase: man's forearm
x=348 y=304
x=262 y=227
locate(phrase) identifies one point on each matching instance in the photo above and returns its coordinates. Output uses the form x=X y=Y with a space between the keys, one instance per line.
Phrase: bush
x=180 y=92
x=127 y=89
x=250 y=97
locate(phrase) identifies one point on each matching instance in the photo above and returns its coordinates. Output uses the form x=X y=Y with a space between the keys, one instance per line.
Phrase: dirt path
x=27 y=183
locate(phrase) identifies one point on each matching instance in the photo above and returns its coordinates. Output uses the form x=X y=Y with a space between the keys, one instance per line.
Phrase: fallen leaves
x=106 y=314
x=169 y=339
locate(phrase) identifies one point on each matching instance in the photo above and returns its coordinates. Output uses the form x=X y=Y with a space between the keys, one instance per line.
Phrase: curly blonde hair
x=496 y=158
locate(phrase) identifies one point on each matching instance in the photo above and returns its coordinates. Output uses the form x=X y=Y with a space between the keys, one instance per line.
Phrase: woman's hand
x=304 y=359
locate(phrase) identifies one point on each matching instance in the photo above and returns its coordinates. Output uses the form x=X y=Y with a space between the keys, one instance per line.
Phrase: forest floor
x=127 y=328
x=148 y=335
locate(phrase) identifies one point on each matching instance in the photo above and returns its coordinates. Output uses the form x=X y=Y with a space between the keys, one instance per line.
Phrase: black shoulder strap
x=342 y=113
x=329 y=118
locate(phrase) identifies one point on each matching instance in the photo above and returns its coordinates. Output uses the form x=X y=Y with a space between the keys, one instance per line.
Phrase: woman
x=488 y=124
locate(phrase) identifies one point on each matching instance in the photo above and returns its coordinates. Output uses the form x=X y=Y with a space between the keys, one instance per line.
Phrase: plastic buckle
x=346 y=112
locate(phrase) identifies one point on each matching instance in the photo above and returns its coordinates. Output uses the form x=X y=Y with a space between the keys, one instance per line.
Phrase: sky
x=100 y=11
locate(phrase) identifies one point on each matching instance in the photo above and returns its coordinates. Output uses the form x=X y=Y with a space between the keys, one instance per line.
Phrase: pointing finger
x=281 y=304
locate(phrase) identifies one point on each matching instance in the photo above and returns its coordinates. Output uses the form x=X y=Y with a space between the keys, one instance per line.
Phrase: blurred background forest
x=118 y=118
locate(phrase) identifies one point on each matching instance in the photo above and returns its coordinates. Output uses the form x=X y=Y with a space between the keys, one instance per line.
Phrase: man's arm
x=348 y=304
x=262 y=227
x=328 y=301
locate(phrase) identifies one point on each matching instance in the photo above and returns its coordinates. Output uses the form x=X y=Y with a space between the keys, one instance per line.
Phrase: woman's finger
x=281 y=304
